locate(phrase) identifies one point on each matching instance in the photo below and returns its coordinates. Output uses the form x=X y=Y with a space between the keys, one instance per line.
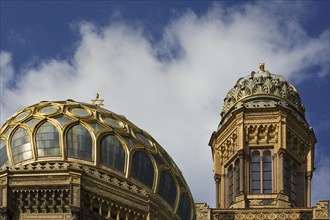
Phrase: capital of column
x=241 y=153
x=281 y=152
x=217 y=177
x=309 y=175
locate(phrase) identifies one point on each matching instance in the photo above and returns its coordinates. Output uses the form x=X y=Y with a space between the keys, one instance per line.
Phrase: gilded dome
x=88 y=135
x=263 y=89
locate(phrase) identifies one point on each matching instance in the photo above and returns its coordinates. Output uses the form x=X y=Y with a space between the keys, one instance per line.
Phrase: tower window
x=261 y=172
x=237 y=177
x=256 y=186
x=291 y=181
x=231 y=184
x=294 y=183
x=267 y=172
x=233 y=179
x=286 y=175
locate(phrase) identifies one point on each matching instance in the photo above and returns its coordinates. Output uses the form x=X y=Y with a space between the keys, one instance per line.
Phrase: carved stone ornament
x=262 y=84
x=203 y=211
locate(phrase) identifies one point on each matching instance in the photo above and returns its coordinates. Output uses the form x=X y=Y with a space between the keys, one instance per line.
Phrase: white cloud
x=173 y=88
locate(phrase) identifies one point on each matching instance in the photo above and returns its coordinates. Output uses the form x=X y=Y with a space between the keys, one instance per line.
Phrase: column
x=280 y=173
x=309 y=179
x=217 y=179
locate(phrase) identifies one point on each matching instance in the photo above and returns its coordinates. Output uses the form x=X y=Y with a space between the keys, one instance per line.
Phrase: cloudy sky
x=167 y=66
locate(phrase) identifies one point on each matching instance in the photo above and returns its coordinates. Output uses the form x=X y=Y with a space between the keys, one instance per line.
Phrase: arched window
x=267 y=172
x=261 y=172
x=3 y=153
x=231 y=184
x=142 y=168
x=167 y=188
x=47 y=139
x=79 y=143
x=112 y=153
x=184 y=209
x=255 y=173
x=21 y=146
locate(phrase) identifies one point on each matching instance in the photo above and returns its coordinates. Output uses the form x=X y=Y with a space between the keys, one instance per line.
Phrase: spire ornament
x=97 y=101
x=261 y=67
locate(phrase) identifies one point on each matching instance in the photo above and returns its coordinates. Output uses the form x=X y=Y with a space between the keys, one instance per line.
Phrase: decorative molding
x=261 y=133
x=320 y=211
x=262 y=215
x=202 y=211
x=64 y=166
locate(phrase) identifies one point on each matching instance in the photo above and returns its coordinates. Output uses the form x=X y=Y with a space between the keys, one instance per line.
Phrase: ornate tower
x=263 y=150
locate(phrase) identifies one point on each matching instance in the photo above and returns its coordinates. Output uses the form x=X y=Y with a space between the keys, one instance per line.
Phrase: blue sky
x=167 y=65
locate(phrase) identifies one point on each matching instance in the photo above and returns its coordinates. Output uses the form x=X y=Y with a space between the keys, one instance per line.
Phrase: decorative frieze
x=97 y=207
x=202 y=211
x=228 y=147
x=258 y=215
x=41 y=200
x=296 y=146
x=261 y=133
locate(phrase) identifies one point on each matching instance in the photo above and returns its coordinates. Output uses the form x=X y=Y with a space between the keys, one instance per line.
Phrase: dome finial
x=261 y=67
x=97 y=101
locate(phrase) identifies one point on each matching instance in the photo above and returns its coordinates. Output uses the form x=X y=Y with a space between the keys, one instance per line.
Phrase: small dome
x=263 y=89
x=74 y=132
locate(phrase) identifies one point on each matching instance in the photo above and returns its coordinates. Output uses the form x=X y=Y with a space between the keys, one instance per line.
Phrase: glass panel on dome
x=158 y=160
x=79 y=143
x=129 y=141
x=21 y=146
x=48 y=110
x=167 y=188
x=97 y=127
x=80 y=112
x=143 y=139
x=32 y=122
x=47 y=139
x=63 y=120
x=142 y=168
x=22 y=115
x=184 y=209
x=167 y=158
x=113 y=123
x=3 y=153
x=112 y=153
